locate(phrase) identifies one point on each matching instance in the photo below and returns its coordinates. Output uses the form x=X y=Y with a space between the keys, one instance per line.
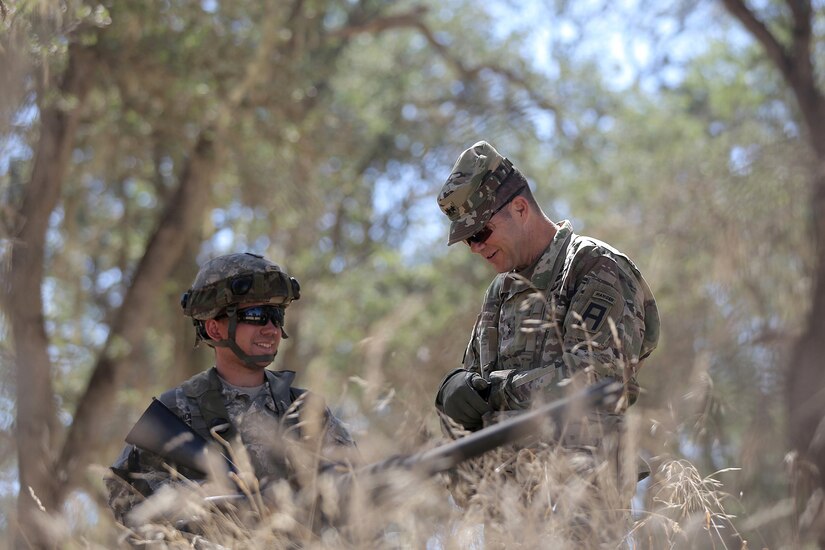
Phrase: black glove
x=460 y=398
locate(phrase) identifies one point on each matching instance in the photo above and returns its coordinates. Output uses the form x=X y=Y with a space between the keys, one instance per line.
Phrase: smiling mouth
x=490 y=257
x=265 y=345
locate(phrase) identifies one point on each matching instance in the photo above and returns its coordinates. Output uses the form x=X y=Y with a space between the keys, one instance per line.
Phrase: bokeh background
x=138 y=139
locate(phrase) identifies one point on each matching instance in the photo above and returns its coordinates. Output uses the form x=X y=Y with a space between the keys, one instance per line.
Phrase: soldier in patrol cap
x=562 y=305
x=237 y=305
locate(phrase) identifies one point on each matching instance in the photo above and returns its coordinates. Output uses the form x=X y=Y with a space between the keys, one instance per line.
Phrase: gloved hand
x=460 y=398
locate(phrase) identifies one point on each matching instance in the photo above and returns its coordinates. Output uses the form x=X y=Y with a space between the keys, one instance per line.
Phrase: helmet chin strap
x=249 y=360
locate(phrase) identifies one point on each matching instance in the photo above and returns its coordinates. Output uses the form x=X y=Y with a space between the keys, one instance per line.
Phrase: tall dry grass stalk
x=541 y=497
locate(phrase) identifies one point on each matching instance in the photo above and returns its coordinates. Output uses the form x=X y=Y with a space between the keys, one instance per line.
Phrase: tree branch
x=414 y=19
x=378 y=25
x=795 y=63
x=471 y=73
x=37 y=425
x=180 y=218
x=763 y=35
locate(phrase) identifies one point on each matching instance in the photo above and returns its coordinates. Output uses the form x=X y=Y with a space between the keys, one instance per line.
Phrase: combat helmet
x=222 y=287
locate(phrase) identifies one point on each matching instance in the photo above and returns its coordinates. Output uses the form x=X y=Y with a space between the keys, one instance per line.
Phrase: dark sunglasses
x=484 y=233
x=479 y=236
x=261 y=315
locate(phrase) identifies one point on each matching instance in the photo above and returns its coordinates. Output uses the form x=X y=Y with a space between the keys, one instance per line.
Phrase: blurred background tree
x=139 y=139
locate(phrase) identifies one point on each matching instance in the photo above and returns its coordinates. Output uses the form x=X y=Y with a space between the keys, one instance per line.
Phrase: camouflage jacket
x=557 y=317
x=259 y=423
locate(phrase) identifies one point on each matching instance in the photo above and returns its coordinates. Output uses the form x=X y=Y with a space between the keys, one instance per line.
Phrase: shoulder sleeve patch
x=598 y=302
x=604 y=297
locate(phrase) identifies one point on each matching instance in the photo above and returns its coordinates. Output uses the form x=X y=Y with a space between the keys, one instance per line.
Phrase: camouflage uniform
x=554 y=318
x=551 y=320
x=258 y=422
x=250 y=420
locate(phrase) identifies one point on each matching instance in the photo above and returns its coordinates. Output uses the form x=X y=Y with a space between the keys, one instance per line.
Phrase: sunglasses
x=484 y=233
x=479 y=236
x=261 y=315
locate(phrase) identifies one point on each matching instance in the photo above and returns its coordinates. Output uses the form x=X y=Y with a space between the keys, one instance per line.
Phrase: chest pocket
x=525 y=325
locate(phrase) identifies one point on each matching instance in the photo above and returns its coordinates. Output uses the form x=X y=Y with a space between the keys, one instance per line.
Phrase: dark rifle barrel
x=160 y=431
x=512 y=430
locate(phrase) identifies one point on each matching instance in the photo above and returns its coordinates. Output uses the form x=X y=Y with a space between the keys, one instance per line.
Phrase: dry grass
x=513 y=498
x=529 y=498
x=690 y=508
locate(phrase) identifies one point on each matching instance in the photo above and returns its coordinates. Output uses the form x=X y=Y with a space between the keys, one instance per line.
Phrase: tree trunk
x=805 y=374
x=164 y=250
x=806 y=388
x=36 y=423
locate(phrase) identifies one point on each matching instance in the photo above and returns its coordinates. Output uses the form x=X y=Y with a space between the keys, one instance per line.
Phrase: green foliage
x=330 y=166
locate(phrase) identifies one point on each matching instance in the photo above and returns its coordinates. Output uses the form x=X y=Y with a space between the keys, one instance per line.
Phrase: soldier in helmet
x=562 y=306
x=237 y=304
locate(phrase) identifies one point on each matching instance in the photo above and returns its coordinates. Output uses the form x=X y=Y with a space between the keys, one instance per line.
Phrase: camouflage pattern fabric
x=212 y=291
x=254 y=419
x=260 y=422
x=475 y=189
x=229 y=265
x=557 y=318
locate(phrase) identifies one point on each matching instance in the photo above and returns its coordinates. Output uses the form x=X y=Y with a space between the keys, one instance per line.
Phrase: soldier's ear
x=519 y=206
x=214 y=329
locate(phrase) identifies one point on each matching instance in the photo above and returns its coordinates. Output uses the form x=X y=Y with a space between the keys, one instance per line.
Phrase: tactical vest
x=205 y=390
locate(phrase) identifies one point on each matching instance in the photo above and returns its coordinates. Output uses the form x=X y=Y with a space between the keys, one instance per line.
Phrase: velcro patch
x=593 y=316
x=599 y=295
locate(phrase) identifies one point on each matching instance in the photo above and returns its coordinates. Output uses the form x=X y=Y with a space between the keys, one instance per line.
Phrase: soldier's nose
x=270 y=327
x=476 y=247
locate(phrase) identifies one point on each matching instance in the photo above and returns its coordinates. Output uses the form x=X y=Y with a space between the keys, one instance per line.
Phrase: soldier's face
x=252 y=339
x=500 y=249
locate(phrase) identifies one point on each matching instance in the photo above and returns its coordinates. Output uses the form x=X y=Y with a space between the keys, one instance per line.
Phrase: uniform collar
x=541 y=272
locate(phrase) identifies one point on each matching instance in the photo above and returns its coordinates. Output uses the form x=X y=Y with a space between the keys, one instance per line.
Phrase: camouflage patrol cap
x=476 y=189
x=237 y=279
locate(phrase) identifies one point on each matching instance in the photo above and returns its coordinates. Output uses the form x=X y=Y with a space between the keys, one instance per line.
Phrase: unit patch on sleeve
x=600 y=301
